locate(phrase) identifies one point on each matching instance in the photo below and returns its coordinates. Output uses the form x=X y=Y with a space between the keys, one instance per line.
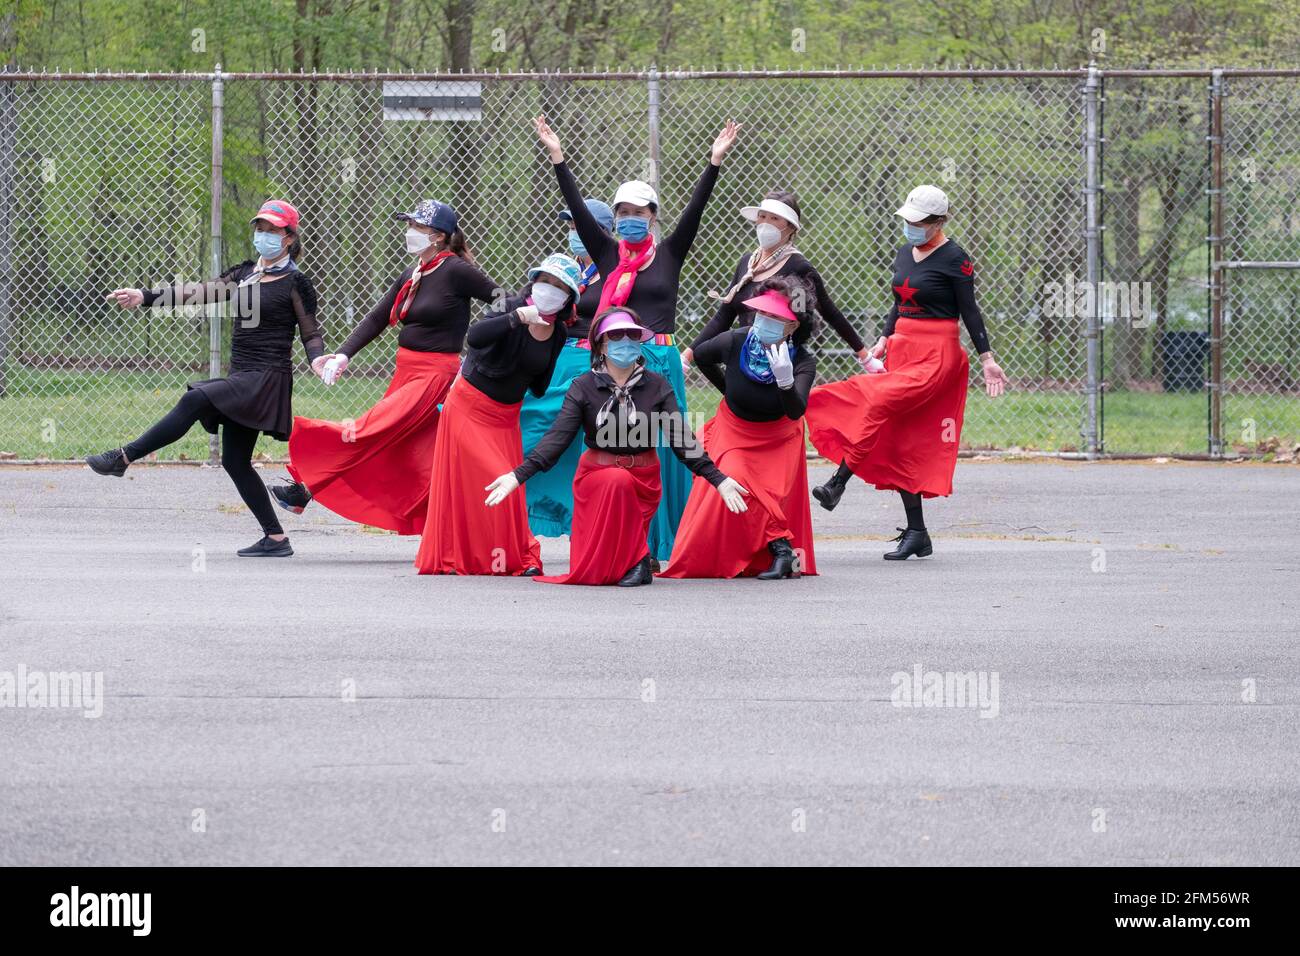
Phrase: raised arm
x=209 y=292
x=599 y=243
x=684 y=235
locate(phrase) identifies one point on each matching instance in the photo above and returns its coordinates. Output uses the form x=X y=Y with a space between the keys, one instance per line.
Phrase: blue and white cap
x=434 y=214
x=565 y=268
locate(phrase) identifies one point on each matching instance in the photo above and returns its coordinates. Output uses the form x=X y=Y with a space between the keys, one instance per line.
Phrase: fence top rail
x=7 y=75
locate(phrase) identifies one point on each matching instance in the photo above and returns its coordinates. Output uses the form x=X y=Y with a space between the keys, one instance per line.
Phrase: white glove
x=870 y=364
x=500 y=489
x=335 y=367
x=778 y=359
x=732 y=493
x=529 y=315
x=687 y=358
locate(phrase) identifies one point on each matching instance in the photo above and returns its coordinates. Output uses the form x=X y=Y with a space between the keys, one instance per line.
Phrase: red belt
x=639 y=460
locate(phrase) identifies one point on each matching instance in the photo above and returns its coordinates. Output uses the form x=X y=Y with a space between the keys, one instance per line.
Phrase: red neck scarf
x=406 y=294
x=632 y=258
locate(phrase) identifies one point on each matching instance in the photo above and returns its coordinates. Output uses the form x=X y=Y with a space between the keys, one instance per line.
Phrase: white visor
x=775 y=207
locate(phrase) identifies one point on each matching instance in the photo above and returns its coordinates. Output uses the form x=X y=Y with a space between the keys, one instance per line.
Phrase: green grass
x=61 y=415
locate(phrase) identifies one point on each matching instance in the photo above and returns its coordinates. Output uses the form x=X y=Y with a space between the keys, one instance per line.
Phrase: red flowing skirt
x=478 y=440
x=612 y=508
x=899 y=430
x=770 y=460
x=375 y=470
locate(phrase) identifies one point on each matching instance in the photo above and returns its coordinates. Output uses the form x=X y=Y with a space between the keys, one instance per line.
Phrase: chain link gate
x=1060 y=181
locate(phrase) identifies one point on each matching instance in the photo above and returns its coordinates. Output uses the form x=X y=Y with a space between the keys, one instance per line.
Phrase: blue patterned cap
x=565 y=268
x=434 y=214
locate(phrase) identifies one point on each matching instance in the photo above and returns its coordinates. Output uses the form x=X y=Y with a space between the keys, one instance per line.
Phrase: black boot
x=783 y=561
x=829 y=494
x=267 y=548
x=291 y=497
x=639 y=575
x=531 y=572
x=112 y=462
x=912 y=541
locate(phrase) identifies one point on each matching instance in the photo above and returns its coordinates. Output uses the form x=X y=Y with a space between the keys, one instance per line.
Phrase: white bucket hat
x=637 y=193
x=775 y=207
x=924 y=202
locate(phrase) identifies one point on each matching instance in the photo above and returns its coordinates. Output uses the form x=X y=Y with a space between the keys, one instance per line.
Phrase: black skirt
x=260 y=398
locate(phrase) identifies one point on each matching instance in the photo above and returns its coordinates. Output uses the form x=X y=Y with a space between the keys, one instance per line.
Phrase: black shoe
x=292 y=497
x=108 y=462
x=639 y=575
x=829 y=494
x=654 y=565
x=783 y=561
x=266 y=548
x=531 y=572
x=911 y=542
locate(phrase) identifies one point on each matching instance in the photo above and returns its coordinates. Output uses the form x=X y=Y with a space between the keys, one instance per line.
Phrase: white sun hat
x=775 y=207
x=924 y=202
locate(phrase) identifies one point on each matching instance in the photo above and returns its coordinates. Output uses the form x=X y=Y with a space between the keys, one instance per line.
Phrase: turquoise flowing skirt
x=550 y=493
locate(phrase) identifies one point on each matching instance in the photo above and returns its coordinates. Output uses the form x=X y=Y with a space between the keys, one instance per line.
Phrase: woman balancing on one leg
x=642 y=272
x=550 y=493
x=757 y=438
x=625 y=410
x=271 y=299
x=510 y=352
x=376 y=470
x=777 y=223
x=900 y=430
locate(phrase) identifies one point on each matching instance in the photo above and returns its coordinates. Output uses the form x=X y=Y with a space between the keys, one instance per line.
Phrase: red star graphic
x=967 y=267
x=905 y=292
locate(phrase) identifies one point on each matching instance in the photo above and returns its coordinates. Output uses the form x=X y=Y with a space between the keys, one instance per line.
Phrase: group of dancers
x=575 y=388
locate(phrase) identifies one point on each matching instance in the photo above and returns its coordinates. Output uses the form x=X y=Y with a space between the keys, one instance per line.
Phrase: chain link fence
x=108 y=181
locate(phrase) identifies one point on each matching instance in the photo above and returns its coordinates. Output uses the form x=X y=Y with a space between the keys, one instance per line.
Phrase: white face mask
x=417 y=241
x=548 y=299
x=768 y=234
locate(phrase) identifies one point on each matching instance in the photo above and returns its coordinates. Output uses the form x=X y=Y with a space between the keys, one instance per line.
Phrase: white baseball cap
x=924 y=202
x=637 y=193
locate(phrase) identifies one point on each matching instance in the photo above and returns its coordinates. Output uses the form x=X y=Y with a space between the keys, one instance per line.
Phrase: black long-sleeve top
x=265 y=314
x=658 y=419
x=505 y=359
x=734 y=312
x=654 y=294
x=751 y=400
x=439 y=314
x=940 y=286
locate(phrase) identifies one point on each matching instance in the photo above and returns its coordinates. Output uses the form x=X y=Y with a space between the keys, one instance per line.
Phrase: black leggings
x=911 y=501
x=237 y=442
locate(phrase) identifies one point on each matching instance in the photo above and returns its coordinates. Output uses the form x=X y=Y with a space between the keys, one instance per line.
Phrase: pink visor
x=772 y=303
x=621 y=320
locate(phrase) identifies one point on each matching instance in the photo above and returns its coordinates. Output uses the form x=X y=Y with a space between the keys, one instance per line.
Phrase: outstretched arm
x=599 y=243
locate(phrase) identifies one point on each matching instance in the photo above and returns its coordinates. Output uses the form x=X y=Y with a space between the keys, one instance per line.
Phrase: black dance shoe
x=911 y=542
x=109 y=462
x=654 y=565
x=292 y=497
x=783 y=561
x=639 y=575
x=267 y=548
x=531 y=572
x=829 y=494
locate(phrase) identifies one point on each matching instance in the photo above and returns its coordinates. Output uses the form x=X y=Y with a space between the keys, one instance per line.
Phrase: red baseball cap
x=278 y=213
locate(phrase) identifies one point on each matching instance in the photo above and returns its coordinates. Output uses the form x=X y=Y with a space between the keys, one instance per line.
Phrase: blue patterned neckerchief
x=753 y=359
x=588 y=275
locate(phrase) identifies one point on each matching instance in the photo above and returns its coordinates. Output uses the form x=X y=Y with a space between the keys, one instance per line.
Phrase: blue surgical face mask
x=267 y=244
x=632 y=228
x=916 y=235
x=623 y=353
x=576 y=246
x=768 y=330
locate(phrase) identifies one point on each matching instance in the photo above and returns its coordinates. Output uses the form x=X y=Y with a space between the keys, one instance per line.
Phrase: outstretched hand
x=726 y=139
x=126 y=298
x=500 y=489
x=549 y=140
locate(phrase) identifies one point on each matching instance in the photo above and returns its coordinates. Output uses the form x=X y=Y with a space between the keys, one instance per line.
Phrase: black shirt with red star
x=940 y=286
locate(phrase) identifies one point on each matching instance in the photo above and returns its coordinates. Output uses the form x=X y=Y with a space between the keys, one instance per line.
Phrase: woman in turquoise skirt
x=550 y=493
x=641 y=271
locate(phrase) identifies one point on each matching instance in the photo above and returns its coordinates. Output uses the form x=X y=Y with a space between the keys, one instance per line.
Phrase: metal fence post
x=1217 y=274
x=1092 y=238
x=8 y=175
x=652 y=123
x=214 y=310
